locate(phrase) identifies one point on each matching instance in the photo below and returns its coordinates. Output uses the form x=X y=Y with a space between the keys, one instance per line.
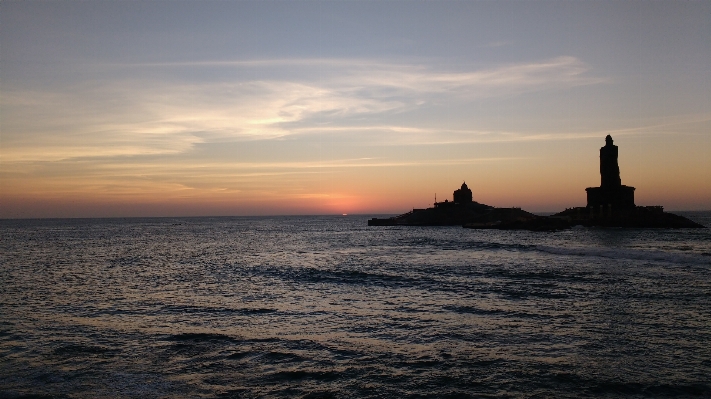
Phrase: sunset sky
x=188 y=108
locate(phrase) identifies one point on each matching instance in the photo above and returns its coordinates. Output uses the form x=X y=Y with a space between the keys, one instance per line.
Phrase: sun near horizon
x=249 y=108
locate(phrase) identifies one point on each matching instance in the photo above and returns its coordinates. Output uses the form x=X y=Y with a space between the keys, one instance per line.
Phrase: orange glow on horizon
x=537 y=184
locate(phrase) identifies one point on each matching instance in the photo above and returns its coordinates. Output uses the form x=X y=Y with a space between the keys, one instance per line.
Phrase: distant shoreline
x=261 y=216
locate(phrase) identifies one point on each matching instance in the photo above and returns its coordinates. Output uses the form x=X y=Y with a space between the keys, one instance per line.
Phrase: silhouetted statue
x=611 y=195
x=609 y=169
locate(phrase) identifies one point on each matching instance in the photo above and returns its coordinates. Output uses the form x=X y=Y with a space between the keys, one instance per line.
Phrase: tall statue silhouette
x=611 y=194
x=609 y=169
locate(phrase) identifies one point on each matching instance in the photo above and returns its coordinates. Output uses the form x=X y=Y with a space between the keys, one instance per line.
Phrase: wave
x=626 y=253
x=221 y=310
x=606 y=387
x=199 y=337
x=77 y=349
x=703 y=258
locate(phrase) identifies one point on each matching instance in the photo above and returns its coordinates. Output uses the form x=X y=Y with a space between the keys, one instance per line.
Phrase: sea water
x=328 y=307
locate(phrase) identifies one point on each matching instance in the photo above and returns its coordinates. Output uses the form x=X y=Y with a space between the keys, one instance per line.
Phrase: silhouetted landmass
x=610 y=205
x=534 y=223
x=637 y=217
x=462 y=210
x=442 y=214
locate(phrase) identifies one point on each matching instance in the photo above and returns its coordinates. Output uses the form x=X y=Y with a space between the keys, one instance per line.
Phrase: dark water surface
x=328 y=307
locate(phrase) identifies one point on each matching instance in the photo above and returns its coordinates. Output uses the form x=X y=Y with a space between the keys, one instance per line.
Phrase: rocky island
x=462 y=210
x=610 y=205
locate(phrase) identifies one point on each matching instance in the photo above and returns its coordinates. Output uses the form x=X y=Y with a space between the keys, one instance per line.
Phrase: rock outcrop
x=610 y=205
x=462 y=210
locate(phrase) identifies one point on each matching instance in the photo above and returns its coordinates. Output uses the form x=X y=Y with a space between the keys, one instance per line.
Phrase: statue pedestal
x=621 y=197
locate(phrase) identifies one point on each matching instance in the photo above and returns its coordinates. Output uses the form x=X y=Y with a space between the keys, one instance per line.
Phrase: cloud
x=502 y=80
x=116 y=178
x=143 y=115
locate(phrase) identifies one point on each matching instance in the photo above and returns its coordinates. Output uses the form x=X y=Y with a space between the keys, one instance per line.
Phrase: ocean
x=326 y=307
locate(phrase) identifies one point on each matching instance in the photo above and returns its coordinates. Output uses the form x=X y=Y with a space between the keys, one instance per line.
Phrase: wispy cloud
x=272 y=62
x=142 y=116
x=114 y=177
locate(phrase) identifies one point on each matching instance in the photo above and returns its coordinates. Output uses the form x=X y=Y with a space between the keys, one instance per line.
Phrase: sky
x=221 y=108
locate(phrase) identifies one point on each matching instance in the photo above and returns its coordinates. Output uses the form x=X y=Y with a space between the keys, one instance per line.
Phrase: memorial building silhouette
x=461 y=196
